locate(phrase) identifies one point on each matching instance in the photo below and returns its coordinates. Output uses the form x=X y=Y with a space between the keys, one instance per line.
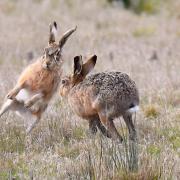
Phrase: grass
x=8 y=7
x=12 y=140
x=153 y=150
x=151 y=111
x=92 y=158
x=148 y=6
x=144 y=32
x=60 y=146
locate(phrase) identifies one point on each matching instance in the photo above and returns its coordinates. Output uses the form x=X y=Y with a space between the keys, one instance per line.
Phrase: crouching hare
x=38 y=83
x=101 y=97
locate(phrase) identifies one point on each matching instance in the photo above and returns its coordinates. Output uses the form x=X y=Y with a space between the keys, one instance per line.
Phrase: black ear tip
x=55 y=24
x=94 y=58
x=76 y=58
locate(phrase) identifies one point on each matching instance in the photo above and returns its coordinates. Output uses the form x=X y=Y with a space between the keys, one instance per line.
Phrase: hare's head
x=52 y=53
x=79 y=73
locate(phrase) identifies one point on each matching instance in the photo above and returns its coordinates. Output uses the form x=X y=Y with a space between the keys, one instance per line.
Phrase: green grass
x=144 y=32
x=147 y=6
x=78 y=133
x=12 y=140
x=141 y=6
x=154 y=150
x=173 y=136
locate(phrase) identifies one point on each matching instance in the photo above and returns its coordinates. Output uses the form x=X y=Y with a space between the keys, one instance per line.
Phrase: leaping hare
x=101 y=97
x=39 y=81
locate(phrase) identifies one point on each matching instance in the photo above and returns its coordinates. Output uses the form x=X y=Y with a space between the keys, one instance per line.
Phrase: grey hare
x=101 y=97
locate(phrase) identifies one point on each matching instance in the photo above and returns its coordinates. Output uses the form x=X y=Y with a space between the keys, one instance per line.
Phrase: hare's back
x=113 y=89
x=110 y=81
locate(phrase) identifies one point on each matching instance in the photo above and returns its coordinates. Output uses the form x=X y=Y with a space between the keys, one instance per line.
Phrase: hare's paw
x=133 y=136
x=11 y=95
x=28 y=104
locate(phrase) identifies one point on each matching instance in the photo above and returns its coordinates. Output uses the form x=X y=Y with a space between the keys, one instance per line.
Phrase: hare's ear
x=78 y=65
x=65 y=37
x=89 y=65
x=46 y=52
x=53 y=32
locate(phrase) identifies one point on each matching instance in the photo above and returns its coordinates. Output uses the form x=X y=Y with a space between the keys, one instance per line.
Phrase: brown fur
x=36 y=79
x=39 y=81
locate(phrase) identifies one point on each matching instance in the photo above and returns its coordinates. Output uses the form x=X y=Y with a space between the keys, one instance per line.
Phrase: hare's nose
x=47 y=63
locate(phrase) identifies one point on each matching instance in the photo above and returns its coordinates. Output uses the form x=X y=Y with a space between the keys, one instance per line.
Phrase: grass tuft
x=153 y=150
x=151 y=111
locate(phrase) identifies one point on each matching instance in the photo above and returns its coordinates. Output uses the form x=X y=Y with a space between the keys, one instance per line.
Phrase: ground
x=145 y=46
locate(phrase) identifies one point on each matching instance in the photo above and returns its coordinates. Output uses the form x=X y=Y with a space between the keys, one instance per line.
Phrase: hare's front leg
x=12 y=94
x=103 y=130
x=110 y=127
x=94 y=123
x=33 y=100
x=92 y=126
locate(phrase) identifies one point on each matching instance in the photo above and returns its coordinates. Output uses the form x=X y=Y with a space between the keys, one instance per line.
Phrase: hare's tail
x=133 y=108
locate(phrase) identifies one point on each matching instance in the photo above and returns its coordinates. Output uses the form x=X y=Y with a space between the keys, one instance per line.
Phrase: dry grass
x=60 y=147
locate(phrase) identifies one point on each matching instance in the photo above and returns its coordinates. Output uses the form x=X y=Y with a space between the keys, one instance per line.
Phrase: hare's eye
x=63 y=81
x=56 y=58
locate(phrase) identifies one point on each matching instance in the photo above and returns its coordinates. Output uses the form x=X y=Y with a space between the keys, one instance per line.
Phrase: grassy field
x=146 y=46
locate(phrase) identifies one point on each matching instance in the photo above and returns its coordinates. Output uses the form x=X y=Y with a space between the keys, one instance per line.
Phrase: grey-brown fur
x=101 y=97
x=112 y=89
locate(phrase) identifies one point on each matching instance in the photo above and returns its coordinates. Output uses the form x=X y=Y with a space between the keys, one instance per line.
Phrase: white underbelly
x=24 y=95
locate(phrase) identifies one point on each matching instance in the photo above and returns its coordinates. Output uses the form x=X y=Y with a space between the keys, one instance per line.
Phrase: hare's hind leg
x=35 y=120
x=35 y=117
x=6 y=106
x=128 y=120
x=33 y=100
x=33 y=124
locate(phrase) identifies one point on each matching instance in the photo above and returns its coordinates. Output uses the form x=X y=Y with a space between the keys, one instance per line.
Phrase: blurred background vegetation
x=139 y=6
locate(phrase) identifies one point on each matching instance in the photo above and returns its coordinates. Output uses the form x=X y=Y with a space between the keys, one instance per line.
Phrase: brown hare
x=39 y=81
x=101 y=97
